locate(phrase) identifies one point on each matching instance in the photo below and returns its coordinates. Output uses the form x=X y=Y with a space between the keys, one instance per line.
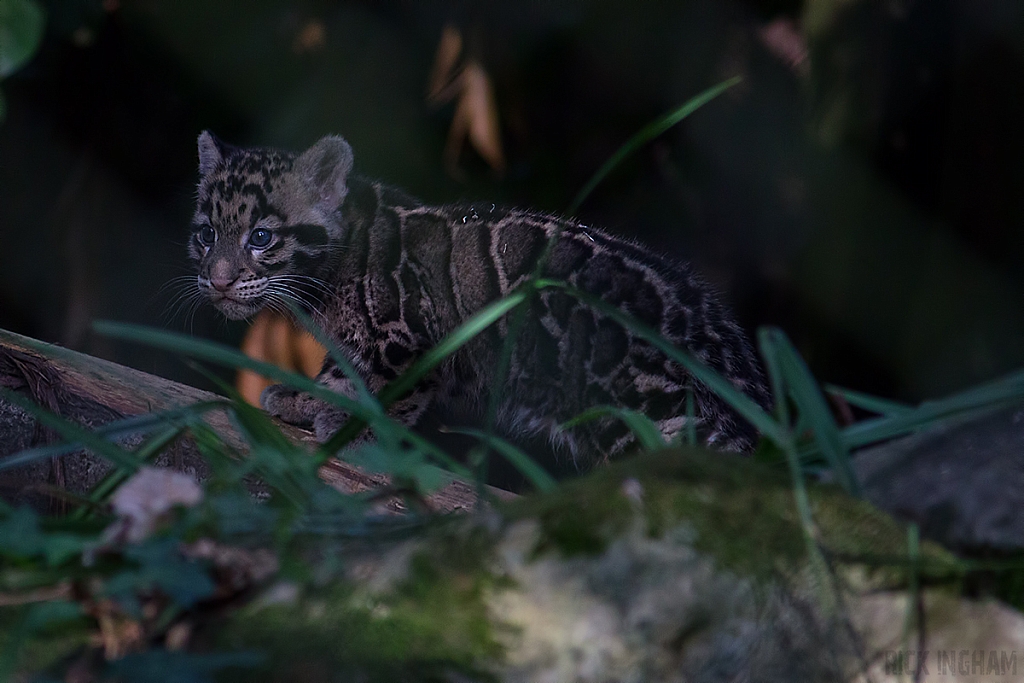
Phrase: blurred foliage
x=21 y=31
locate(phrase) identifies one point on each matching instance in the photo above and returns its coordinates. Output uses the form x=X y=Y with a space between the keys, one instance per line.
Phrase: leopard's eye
x=207 y=236
x=260 y=238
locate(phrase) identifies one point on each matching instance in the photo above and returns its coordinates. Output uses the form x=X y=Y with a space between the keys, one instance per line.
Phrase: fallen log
x=93 y=392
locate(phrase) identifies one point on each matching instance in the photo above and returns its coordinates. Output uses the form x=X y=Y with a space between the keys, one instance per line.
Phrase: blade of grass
x=648 y=133
x=646 y=432
x=257 y=428
x=148 y=450
x=429 y=361
x=70 y=431
x=534 y=473
x=910 y=621
x=872 y=404
x=933 y=414
x=480 y=321
x=363 y=394
x=815 y=557
x=500 y=380
x=691 y=418
x=801 y=387
x=137 y=424
x=766 y=344
x=223 y=355
x=212 y=352
x=739 y=401
x=283 y=465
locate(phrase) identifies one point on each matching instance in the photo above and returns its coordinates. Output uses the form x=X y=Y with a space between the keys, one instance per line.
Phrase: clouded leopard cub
x=388 y=277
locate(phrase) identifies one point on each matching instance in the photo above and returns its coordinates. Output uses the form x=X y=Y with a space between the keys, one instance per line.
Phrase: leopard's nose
x=223 y=283
x=223 y=274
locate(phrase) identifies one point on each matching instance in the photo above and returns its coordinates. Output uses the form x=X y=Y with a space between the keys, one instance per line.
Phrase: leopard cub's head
x=267 y=223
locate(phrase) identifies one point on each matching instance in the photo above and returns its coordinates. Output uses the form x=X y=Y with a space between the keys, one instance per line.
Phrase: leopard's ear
x=211 y=152
x=323 y=170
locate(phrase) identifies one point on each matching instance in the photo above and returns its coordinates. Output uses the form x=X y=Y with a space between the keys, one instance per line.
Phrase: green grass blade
x=691 y=418
x=227 y=356
x=534 y=473
x=255 y=425
x=770 y=354
x=816 y=559
x=739 y=401
x=480 y=321
x=648 y=133
x=136 y=424
x=931 y=414
x=803 y=389
x=70 y=431
x=872 y=404
x=429 y=361
x=363 y=394
x=223 y=355
x=518 y=320
x=148 y=450
x=646 y=432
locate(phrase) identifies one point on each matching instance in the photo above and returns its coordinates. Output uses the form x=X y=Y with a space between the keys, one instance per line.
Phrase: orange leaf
x=445 y=61
x=476 y=117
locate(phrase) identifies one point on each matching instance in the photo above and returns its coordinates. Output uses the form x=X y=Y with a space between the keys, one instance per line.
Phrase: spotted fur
x=388 y=277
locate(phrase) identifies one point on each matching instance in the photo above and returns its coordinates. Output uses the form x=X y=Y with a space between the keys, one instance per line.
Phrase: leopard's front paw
x=291 y=405
x=328 y=421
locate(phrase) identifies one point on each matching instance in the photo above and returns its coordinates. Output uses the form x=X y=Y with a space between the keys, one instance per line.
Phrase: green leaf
x=161 y=566
x=646 y=432
x=21 y=30
x=648 y=133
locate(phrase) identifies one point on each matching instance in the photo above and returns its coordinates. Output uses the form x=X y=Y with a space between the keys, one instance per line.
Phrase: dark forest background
x=863 y=187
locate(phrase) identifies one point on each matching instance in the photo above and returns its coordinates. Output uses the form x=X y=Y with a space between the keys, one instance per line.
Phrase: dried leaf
x=311 y=37
x=118 y=634
x=782 y=37
x=237 y=568
x=443 y=73
x=274 y=339
x=476 y=117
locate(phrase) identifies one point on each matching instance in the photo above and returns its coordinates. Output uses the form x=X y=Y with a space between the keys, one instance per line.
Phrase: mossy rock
x=683 y=565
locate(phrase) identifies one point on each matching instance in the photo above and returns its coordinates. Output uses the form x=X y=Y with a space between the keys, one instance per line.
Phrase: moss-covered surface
x=743 y=514
x=430 y=621
x=36 y=636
